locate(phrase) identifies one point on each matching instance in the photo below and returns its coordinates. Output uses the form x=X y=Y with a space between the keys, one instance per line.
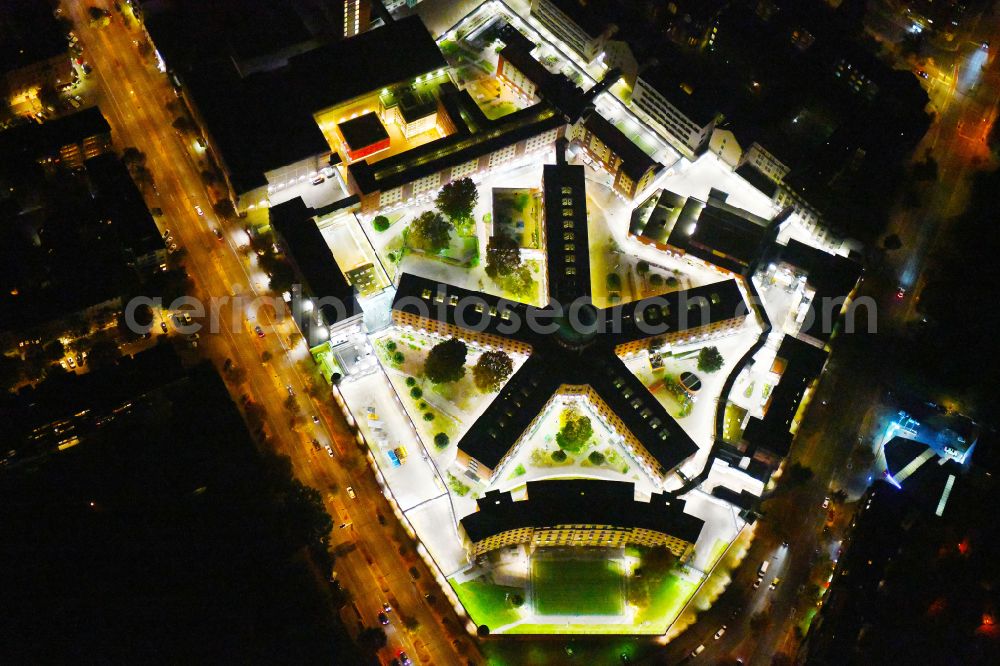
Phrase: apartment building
x=579 y=25
x=579 y=513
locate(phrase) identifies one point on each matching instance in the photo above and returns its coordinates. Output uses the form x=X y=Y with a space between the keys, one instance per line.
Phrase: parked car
x=217 y=232
x=163 y=326
x=720 y=632
x=350 y=493
x=329 y=450
x=315 y=444
x=259 y=331
x=826 y=503
x=200 y=212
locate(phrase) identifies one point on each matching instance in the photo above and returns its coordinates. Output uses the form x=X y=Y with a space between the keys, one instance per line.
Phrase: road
x=133 y=97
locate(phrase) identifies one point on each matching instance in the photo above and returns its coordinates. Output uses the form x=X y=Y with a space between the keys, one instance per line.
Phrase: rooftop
x=363 y=131
x=580 y=502
x=265 y=120
x=29 y=33
x=568 y=263
x=315 y=263
x=635 y=162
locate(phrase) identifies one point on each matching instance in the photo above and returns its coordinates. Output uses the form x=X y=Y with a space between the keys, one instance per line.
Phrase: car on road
x=316 y=444
x=404 y=659
x=351 y=493
x=259 y=331
x=826 y=503
x=775 y=583
x=315 y=419
x=720 y=632
x=756 y=583
x=291 y=391
x=383 y=619
x=71 y=361
x=921 y=73
x=163 y=326
x=329 y=450
x=900 y=294
x=200 y=212
x=386 y=607
x=698 y=650
x=217 y=232
x=318 y=180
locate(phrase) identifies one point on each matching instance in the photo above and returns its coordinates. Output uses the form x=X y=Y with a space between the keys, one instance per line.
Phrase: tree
x=596 y=458
x=492 y=370
x=798 y=474
x=446 y=361
x=559 y=456
x=656 y=280
x=183 y=124
x=672 y=281
x=503 y=256
x=709 y=359
x=398 y=358
x=282 y=277
x=103 y=354
x=372 y=639
x=457 y=199
x=516 y=600
x=224 y=208
x=428 y=416
x=614 y=282
x=265 y=356
x=441 y=440
x=380 y=223
x=575 y=432
x=430 y=232
x=416 y=393
x=54 y=350
x=642 y=267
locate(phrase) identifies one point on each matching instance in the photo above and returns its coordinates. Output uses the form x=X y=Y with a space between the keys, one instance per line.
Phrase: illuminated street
x=133 y=99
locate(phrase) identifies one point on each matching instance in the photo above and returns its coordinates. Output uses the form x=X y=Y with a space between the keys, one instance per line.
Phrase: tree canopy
x=492 y=370
x=446 y=361
x=430 y=232
x=576 y=431
x=458 y=198
x=503 y=256
x=709 y=359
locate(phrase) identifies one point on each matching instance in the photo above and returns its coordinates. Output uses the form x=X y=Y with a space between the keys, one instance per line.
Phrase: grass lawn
x=577 y=587
x=487 y=603
x=666 y=601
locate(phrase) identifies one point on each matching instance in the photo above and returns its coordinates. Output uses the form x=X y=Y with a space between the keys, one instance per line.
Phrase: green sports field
x=577 y=587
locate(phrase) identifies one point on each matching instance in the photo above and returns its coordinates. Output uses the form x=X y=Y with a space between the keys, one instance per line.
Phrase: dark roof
x=587 y=14
x=684 y=85
x=564 y=184
x=123 y=205
x=476 y=310
x=635 y=162
x=363 y=131
x=265 y=120
x=455 y=149
x=580 y=502
x=29 y=33
x=802 y=364
x=313 y=260
x=723 y=235
x=757 y=179
x=832 y=276
x=62 y=396
x=31 y=141
x=656 y=217
x=503 y=423
x=675 y=311
x=557 y=359
x=643 y=415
